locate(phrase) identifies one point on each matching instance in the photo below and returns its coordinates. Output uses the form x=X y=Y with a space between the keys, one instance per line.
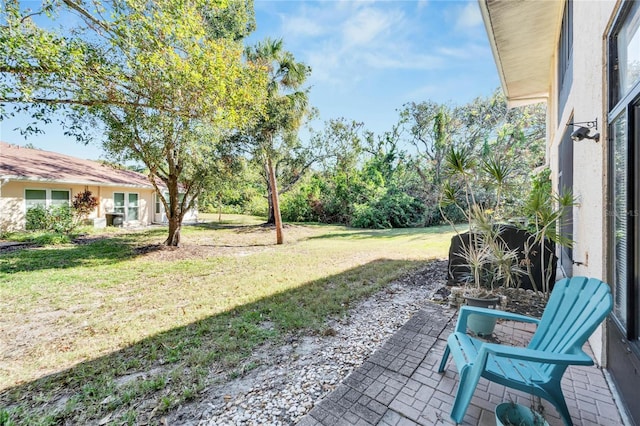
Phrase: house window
x=132 y=207
x=565 y=55
x=35 y=197
x=620 y=220
x=623 y=212
x=625 y=49
x=46 y=198
x=624 y=116
x=127 y=204
x=59 y=198
x=565 y=45
x=160 y=207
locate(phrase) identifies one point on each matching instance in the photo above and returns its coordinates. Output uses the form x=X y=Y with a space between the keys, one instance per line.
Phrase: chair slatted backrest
x=575 y=309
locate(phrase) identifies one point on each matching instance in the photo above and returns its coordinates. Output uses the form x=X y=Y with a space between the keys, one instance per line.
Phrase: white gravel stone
x=290 y=380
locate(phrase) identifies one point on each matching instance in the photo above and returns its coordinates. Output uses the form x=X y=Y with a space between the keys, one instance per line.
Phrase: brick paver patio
x=399 y=384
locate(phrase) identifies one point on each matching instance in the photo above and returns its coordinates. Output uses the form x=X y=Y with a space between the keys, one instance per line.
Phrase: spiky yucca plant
x=476 y=188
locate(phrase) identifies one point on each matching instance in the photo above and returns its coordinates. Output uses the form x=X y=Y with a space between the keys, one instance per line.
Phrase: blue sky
x=368 y=58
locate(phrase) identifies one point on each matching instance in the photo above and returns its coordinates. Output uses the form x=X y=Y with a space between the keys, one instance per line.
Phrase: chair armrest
x=461 y=326
x=534 y=355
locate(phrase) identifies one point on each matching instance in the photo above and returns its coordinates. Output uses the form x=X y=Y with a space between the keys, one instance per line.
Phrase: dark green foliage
x=37 y=218
x=57 y=219
x=61 y=220
x=298 y=207
x=401 y=178
x=5 y=418
x=393 y=210
x=369 y=198
x=239 y=190
x=434 y=214
x=367 y=216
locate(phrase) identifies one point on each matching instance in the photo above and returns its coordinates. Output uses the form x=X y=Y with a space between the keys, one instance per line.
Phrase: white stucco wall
x=586 y=102
x=12 y=205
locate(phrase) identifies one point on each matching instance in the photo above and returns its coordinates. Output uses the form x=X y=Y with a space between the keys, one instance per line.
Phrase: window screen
x=35 y=197
x=621 y=217
x=118 y=202
x=59 y=198
x=132 y=207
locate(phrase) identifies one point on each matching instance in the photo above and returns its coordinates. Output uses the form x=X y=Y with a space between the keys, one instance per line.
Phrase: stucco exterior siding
x=579 y=91
x=13 y=209
x=586 y=102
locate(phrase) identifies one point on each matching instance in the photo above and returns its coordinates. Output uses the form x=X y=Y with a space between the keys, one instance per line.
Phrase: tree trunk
x=271 y=217
x=174 y=216
x=175 y=225
x=274 y=198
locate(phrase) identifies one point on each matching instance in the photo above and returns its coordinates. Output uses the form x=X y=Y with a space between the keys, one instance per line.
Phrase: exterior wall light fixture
x=583 y=132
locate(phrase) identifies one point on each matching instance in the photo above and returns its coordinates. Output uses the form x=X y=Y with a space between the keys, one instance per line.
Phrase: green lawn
x=79 y=320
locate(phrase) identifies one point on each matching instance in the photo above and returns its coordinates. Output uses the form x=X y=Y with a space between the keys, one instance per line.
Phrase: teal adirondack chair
x=575 y=308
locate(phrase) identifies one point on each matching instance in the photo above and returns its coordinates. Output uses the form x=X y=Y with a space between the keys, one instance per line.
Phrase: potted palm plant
x=480 y=259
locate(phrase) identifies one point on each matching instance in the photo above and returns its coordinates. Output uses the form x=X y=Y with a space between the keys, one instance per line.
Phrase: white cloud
x=302 y=26
x=346 y=42
x=367 y=25
x=469 y=16
x=465 y=51
x=401 y=60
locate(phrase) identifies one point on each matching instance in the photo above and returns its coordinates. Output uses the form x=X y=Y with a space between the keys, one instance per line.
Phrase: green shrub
x=367 y=216
x=258 y=206
x=48 y=238
x=62 y=219
x=232 y=209
x=57 y=219
x=37 y=219
x=433 y=214
x=394 y=210
x=5 y=418
x=401 y=210
x=296 y=207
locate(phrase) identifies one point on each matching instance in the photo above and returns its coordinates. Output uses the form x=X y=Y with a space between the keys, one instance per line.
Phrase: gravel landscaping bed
x=289 y=379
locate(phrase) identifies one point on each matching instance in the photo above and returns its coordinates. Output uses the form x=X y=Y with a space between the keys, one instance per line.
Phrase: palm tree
x=286 y=107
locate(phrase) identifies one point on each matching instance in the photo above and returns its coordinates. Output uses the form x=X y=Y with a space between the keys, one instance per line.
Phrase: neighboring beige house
x=583 y=59
x=30 y=177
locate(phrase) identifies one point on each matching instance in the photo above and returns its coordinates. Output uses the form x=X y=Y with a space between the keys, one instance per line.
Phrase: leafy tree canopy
x=165 y=80
x=172 y=56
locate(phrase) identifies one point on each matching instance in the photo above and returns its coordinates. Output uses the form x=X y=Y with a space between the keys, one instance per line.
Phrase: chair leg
x=445 y=358
x=556 y=397
x=469 y=378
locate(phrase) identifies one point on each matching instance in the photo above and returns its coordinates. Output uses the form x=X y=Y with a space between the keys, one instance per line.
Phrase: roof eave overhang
x=9 y=178
x=523 y=36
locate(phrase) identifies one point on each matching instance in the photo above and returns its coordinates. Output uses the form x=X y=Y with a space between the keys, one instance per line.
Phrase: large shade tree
x=287 y=105
x=166 y=79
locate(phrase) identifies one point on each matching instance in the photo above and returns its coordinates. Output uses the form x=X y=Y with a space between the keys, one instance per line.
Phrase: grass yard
x=119 y=329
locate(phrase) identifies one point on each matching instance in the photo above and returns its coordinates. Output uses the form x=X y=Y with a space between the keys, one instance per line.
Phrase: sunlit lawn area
x=91 y=316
